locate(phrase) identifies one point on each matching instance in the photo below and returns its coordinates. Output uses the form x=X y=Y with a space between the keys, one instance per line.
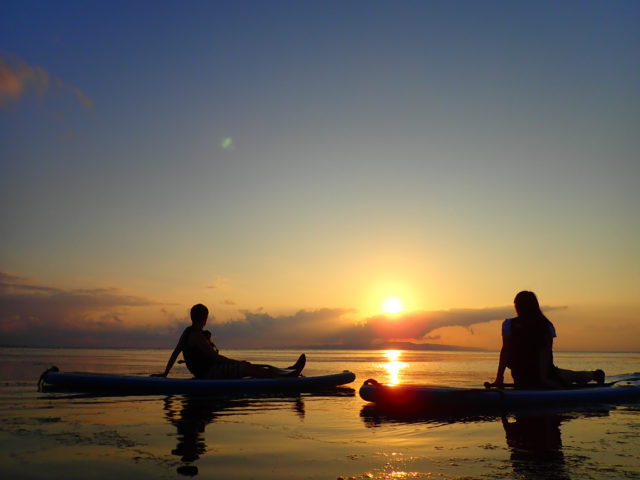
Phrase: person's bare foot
x=299 y=365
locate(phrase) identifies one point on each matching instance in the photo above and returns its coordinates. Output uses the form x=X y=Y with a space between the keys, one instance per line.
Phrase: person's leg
x=263 y=371
x=569 y=377
x=230 y=369
x=293 y=370
x=248 y=369
x=234 y=369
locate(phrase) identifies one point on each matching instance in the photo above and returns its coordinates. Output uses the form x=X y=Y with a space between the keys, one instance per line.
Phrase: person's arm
x=171 y=361
x=502 y=363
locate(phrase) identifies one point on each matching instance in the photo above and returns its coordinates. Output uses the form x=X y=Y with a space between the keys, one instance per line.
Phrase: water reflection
x=535 y=443
x=393 y=365
x=191 y=414
x=533 y=437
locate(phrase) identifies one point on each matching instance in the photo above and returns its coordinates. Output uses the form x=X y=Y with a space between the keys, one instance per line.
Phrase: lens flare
x=227 y=143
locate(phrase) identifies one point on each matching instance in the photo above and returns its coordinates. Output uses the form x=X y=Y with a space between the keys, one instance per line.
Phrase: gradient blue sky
x=277 y=160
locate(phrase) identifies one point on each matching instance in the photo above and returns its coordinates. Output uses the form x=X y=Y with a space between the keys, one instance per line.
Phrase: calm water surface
x=329 y=436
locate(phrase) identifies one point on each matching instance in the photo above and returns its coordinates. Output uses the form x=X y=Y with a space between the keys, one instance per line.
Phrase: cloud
x=340 y=327
x=19 y=79
x=259 y=329
x=36 y=314
x=220 y=283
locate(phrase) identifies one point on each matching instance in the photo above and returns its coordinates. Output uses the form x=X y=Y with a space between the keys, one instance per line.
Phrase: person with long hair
x=527 y=350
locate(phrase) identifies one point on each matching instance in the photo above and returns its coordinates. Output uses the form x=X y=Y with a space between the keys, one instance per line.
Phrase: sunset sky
x=295 y=164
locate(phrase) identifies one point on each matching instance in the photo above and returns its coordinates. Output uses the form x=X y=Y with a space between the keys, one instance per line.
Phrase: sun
x=392 y=306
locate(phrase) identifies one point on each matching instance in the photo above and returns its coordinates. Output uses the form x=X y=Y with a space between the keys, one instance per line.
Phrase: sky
x=295 y=164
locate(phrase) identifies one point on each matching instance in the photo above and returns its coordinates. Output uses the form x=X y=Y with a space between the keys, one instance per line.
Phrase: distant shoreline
x=447 y=348
x=337 y=348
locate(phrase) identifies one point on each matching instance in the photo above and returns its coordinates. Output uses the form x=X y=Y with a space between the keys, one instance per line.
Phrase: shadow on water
x=533 y=436
x=191 y=414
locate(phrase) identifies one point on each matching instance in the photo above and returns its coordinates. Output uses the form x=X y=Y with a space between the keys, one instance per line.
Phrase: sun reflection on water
x=393 y=365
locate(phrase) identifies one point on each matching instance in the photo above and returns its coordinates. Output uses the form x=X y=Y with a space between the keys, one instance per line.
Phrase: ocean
x=302 y=436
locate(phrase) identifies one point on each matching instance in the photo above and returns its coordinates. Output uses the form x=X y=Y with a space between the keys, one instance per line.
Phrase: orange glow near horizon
x=393 y=366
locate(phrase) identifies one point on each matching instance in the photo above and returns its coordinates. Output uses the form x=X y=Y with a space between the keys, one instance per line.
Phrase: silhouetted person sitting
x=527 y=349
x=204 y=361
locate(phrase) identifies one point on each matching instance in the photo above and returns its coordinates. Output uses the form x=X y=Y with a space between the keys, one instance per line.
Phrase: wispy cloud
x=220 y=283
x=19 y=79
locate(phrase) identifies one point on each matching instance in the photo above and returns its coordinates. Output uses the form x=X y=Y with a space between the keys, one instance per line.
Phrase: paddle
x=493 y=385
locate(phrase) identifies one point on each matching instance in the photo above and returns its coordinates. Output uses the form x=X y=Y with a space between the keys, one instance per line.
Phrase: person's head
x=527 y=305
x=199 y=314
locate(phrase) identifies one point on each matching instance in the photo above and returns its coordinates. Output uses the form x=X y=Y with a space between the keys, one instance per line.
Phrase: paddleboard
x=111 y=383
x=439 y=397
